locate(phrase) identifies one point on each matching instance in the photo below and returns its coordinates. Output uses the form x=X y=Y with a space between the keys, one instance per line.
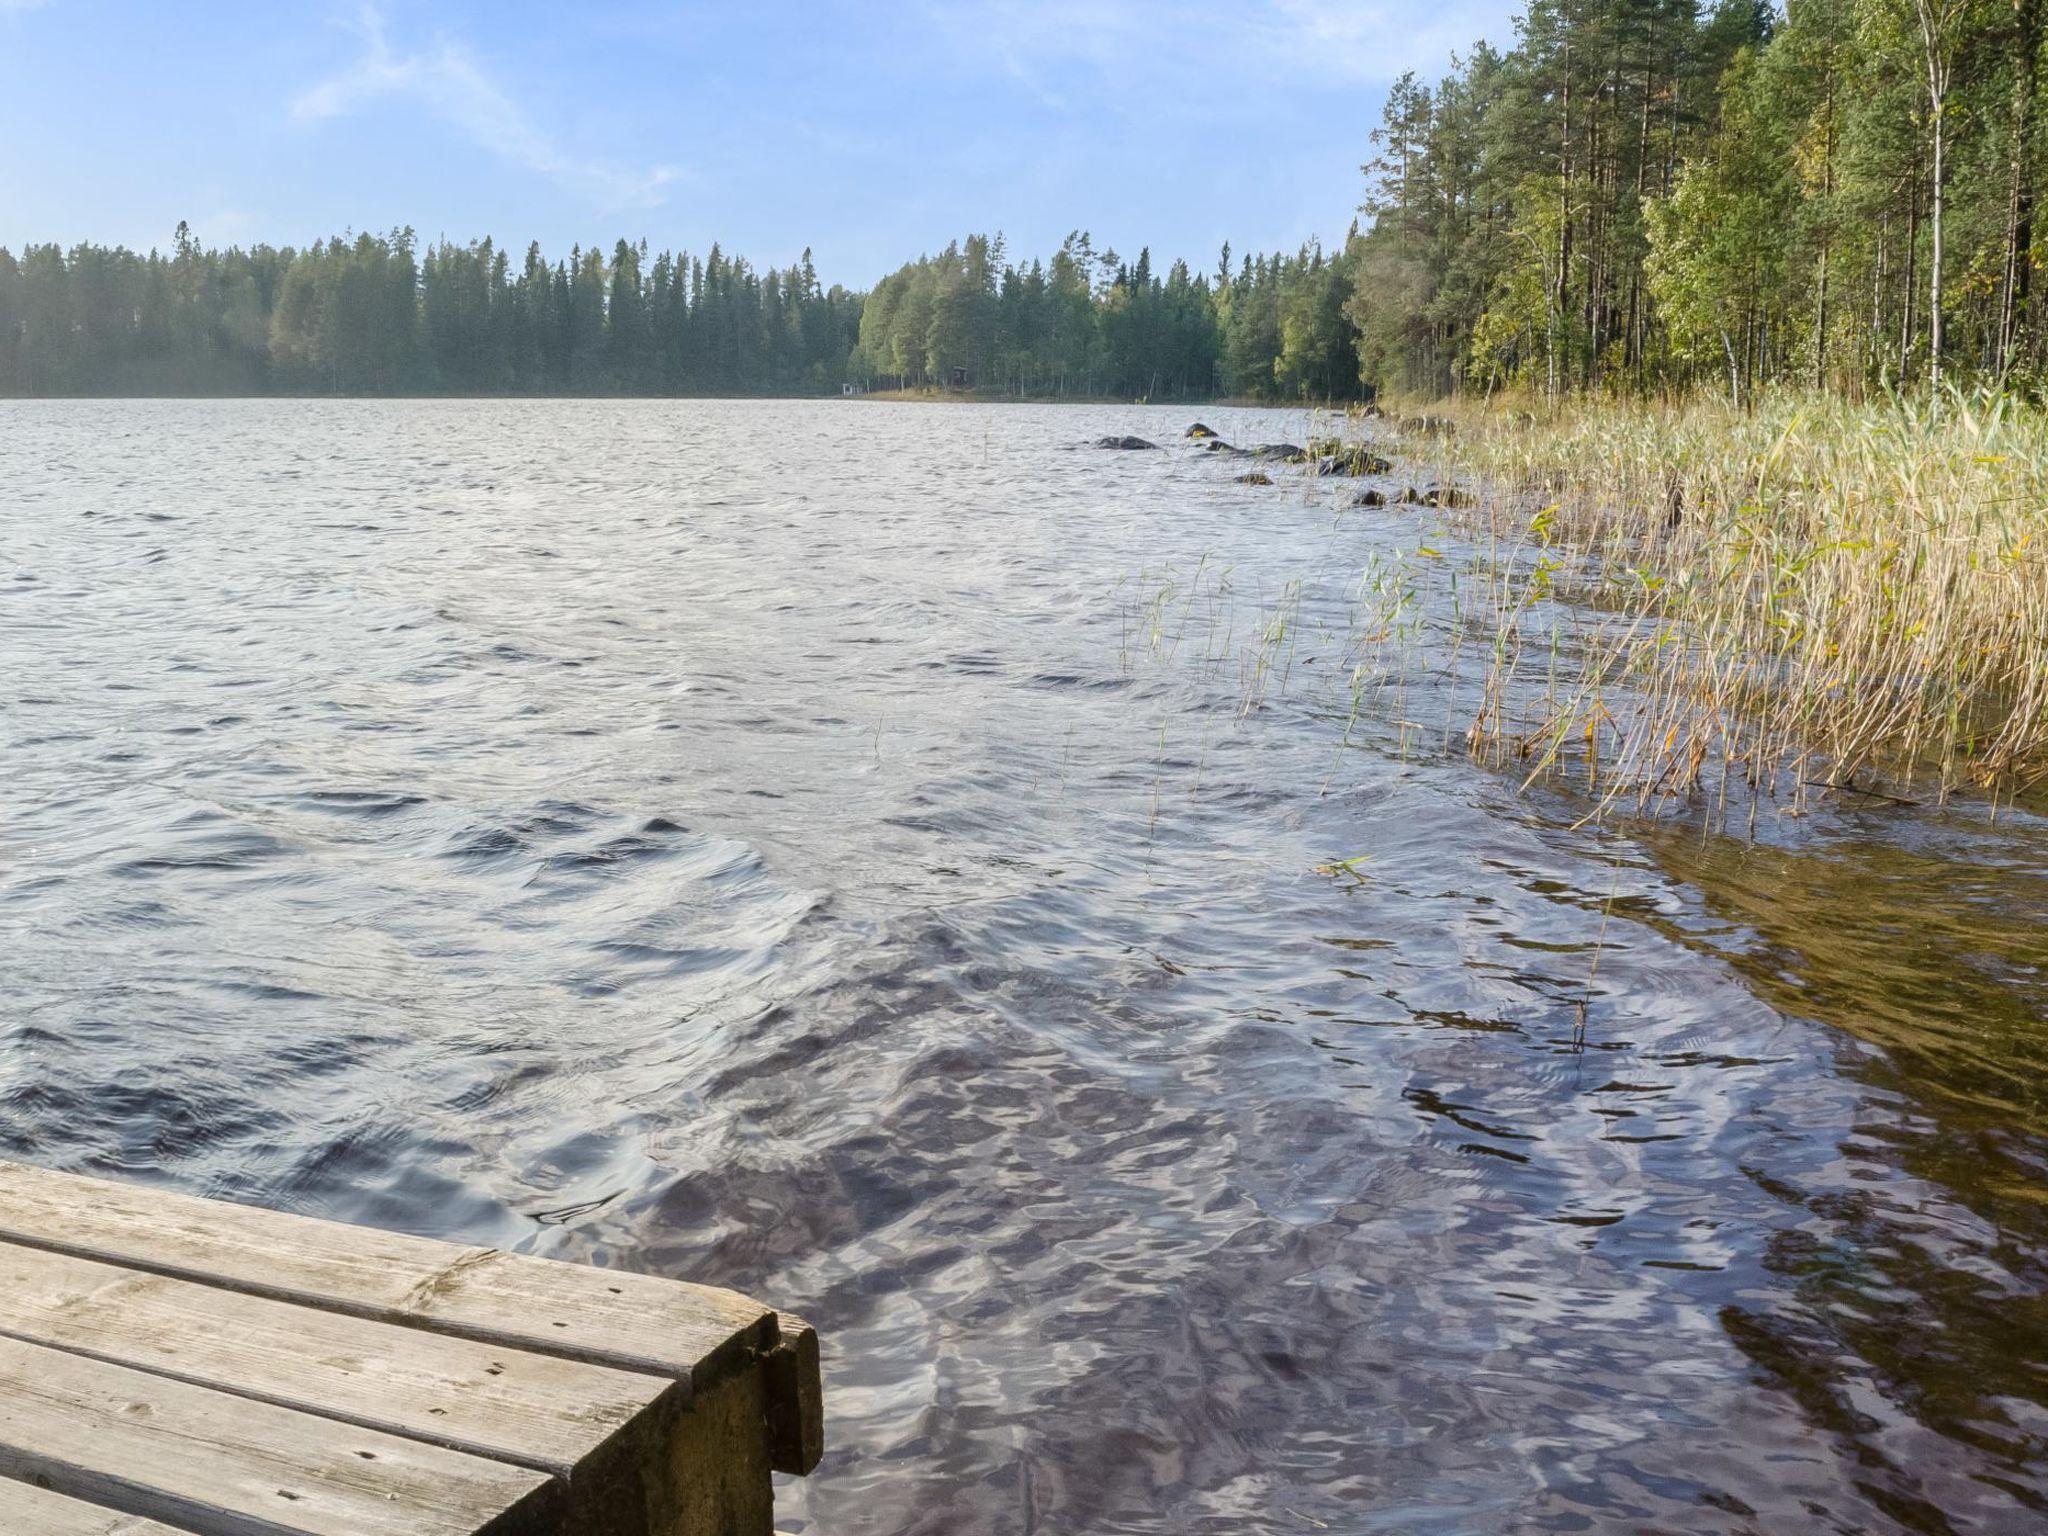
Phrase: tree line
x=1637 y=195
x=379 y=314
x=382 y=314
x=1648 y=194
x=1088 y=323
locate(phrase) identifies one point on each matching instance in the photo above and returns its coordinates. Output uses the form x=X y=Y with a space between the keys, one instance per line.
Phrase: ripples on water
x=756 y=843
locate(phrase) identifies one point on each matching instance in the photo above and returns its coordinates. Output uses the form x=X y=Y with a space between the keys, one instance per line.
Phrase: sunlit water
x=864 y=855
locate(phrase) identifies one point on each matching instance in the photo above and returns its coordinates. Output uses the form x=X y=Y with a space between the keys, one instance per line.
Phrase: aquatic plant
x=1814 y=593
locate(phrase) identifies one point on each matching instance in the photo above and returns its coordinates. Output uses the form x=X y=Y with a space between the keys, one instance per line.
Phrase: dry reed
x=1816 y=592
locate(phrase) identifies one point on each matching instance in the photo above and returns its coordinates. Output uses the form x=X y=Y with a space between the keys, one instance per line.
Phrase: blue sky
x=869 y=132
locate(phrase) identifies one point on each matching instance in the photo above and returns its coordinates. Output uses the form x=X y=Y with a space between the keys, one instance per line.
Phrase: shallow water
x=868 y=855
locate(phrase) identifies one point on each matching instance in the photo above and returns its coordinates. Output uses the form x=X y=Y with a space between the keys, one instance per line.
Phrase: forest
x=1648 y=195
x=379 y=315
x=382 y=315
x=1637 y=196
x=1089 y=324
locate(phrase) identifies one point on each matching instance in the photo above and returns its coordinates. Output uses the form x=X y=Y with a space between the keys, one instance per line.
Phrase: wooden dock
x=172 y=1365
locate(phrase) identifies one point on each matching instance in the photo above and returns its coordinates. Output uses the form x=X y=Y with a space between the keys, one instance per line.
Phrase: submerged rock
x=1126 y=444
x=1290 y=452
x=1352 y=460
x=1217 y=445
x=1199 y=430
x=1255 y=477
x=1433 y=496
x=1369 y=499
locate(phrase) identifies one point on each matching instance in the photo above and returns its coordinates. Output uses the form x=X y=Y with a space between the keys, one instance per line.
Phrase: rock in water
x=1291 y=452
x=1256 y=477
x=1125 y=443
x=1352 y=461
x=1199 y=430
x=1369 y=499
x=1434 y=496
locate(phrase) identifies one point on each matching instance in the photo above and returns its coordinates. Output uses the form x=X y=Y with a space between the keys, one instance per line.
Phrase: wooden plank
x=609 y=1317
x=536 y=1410
x=26 y=1510
x=218 y=1465
x=796 y=1400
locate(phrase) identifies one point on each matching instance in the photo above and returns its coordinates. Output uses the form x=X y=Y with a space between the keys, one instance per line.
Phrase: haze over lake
x=891 y=860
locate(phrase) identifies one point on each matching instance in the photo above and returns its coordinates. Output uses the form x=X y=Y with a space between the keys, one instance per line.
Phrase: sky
x=867 y=132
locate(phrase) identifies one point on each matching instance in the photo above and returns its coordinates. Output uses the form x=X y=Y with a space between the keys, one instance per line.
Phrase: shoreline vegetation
x=1692 y=604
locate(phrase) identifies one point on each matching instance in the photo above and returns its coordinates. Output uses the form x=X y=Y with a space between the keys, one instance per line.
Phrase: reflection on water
x=1905 y=1314
x=879 y=858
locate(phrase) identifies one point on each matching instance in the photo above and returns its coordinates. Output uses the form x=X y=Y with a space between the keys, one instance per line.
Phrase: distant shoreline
x=1000 y=397
x=888 y=396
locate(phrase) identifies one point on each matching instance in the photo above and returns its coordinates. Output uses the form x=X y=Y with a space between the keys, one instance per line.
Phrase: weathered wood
x=717 y=1466
x=796 y=1401
x=218 y=1465
x=26 y=1510
x=535 y=1410
x=655 y=1406
x=604 y=1317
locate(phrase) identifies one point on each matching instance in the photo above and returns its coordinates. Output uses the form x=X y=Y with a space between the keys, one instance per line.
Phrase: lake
x=954 y=885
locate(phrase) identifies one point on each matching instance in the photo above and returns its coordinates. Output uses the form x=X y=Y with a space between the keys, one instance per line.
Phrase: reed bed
x=1815 y=594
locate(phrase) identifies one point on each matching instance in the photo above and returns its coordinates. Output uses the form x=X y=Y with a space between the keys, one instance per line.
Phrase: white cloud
x=1323 y=41
x=449 y=81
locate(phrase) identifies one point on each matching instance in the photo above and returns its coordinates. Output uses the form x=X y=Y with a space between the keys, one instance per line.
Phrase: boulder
x=1433 y=496
x=1353 y=460
x=1198 y=430
x=1126 y=444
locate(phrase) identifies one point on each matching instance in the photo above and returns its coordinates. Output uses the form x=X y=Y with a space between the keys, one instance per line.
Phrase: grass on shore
x=1815 y=593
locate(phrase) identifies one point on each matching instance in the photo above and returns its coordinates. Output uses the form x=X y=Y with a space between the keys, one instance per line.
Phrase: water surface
x=884 y=859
